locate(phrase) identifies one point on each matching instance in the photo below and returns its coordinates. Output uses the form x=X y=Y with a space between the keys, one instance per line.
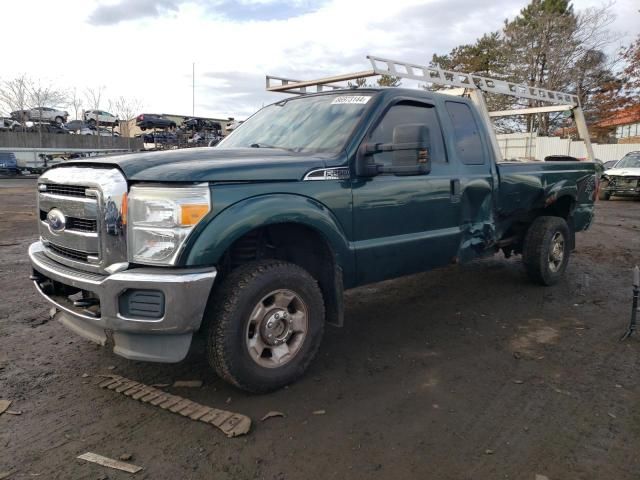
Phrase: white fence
x=525 y=146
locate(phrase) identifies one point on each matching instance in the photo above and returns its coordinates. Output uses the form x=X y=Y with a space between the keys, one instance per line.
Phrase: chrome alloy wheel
x=277 y=328
x=556 y=252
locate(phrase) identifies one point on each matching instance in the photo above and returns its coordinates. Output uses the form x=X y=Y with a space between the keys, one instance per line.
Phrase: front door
x=406 y=224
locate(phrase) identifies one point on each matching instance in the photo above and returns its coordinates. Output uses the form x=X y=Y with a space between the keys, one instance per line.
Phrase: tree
x=125 y=109
x=389 y=81
x=75 y=101
x=93 y=97
x=382 y=81
x=486 y=57
x=42 y=94
x=550 y=46
x=631 y=57
x=14 y=93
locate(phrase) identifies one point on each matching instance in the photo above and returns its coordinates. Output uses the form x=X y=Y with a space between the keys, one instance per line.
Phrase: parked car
x=46 y=114
x=8 y=164
x=46 y=128
x=623 y=179
x=75 y=125
x=160 y=137
x=149 y=120
x=103 y=132
x=201 y=124
x=8 y=124
x=92 y=117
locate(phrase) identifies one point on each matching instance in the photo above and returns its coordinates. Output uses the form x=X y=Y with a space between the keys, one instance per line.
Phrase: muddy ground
x=463 y=373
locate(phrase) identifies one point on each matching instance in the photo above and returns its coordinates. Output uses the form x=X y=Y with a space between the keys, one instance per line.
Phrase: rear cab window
x=466 y=133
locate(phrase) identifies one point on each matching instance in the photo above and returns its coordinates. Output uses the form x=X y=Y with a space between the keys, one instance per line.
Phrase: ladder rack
x=458 y=83
x=433 y=75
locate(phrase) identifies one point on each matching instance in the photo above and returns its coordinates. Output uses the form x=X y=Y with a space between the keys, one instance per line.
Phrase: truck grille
x=70 y=253
x=82 y=224
x=65 y=190
x=79 y=224
x=86 y=229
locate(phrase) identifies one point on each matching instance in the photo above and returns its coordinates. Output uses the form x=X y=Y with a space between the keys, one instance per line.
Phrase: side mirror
x=410 y=153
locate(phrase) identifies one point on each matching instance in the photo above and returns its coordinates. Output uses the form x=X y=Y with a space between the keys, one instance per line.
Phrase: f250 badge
x=56 y=220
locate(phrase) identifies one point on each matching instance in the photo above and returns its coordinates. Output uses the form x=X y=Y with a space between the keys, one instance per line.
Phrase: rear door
x=475 y=185
x=406 y=224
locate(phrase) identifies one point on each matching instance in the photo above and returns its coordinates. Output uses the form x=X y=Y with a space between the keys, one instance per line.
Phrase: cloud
x=239 y=92
x=126 y=10
x=234 y=10
x=245 y=11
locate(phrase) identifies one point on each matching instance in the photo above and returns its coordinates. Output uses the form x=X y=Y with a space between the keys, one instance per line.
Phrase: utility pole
x=193 y=89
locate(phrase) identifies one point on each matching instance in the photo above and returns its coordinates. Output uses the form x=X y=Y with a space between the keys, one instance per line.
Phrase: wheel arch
x=303 y=231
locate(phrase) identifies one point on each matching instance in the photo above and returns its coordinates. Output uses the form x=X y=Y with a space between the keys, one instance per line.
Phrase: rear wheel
x=547 y=249
x=59 y=120
x=265 y=325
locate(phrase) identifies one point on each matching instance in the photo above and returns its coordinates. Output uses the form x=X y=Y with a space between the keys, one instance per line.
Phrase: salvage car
x=8 y=124
x=253 y=243
x=92 y=117
x=623 y=179
x=147 y=120
x=41 y=114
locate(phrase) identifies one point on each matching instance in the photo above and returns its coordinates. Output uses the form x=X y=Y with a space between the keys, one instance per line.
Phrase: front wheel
x=602 y=193
x=547 y=249
x=264 y=325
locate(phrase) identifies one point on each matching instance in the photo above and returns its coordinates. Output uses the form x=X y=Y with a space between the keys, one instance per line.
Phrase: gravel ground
x=461 y=373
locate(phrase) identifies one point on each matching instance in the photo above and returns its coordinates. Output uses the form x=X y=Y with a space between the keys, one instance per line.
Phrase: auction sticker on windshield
x=351 y=99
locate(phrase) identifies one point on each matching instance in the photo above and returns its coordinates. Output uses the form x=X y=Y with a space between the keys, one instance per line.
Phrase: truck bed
x=530 y=186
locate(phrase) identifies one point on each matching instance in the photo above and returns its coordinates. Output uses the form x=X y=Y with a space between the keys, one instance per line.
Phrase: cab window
x=409 y=113
x=466 y=134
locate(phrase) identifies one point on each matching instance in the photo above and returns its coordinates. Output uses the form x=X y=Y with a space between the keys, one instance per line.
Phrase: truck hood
x=623 y=172
x=213 y=164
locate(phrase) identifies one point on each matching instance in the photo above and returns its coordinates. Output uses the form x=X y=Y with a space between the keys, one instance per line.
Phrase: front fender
x=233 y=222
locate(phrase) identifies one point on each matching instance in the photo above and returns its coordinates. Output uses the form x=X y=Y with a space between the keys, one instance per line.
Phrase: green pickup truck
x=253 y=242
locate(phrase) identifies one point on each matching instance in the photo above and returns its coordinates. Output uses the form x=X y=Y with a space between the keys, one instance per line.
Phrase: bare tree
x=93 y=96
x=125 y=109
x=42 y=94
x=14 y=93
x=76 y=102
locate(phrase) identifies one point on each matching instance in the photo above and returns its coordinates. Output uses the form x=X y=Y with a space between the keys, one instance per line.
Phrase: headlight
x=160 y=220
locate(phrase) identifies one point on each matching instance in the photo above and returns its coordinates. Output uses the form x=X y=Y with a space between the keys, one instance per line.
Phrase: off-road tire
x=228 y=314
x=602 y=194
x=537 y=247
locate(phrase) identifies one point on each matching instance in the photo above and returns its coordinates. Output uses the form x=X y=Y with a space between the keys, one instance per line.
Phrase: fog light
x=141 y=304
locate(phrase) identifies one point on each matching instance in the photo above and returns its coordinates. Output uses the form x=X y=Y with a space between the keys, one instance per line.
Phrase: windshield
x=629 y=161
x=320 y=123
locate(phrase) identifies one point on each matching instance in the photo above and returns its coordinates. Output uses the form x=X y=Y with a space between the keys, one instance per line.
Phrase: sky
x=145 y=49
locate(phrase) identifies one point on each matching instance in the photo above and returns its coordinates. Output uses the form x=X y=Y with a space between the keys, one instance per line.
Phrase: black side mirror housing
x=410 y=153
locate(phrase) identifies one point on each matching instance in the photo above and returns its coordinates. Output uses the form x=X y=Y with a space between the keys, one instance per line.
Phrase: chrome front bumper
x=166 y=339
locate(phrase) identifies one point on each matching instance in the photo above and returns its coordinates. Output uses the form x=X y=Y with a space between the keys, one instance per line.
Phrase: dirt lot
x=463 y=373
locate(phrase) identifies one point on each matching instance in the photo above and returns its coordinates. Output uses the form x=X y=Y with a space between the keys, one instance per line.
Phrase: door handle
x=455 y=188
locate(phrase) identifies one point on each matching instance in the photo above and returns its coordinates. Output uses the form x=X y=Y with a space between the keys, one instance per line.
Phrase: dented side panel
x=527 y=188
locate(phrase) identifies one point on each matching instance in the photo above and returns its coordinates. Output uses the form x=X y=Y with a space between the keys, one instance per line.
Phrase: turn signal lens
x=191 y=214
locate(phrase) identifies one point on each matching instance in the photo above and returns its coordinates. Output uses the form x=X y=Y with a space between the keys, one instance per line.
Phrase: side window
x=466 y=134
x=409 y=113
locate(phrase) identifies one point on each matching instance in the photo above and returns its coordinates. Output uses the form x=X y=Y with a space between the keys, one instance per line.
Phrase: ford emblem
x=56 y=220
